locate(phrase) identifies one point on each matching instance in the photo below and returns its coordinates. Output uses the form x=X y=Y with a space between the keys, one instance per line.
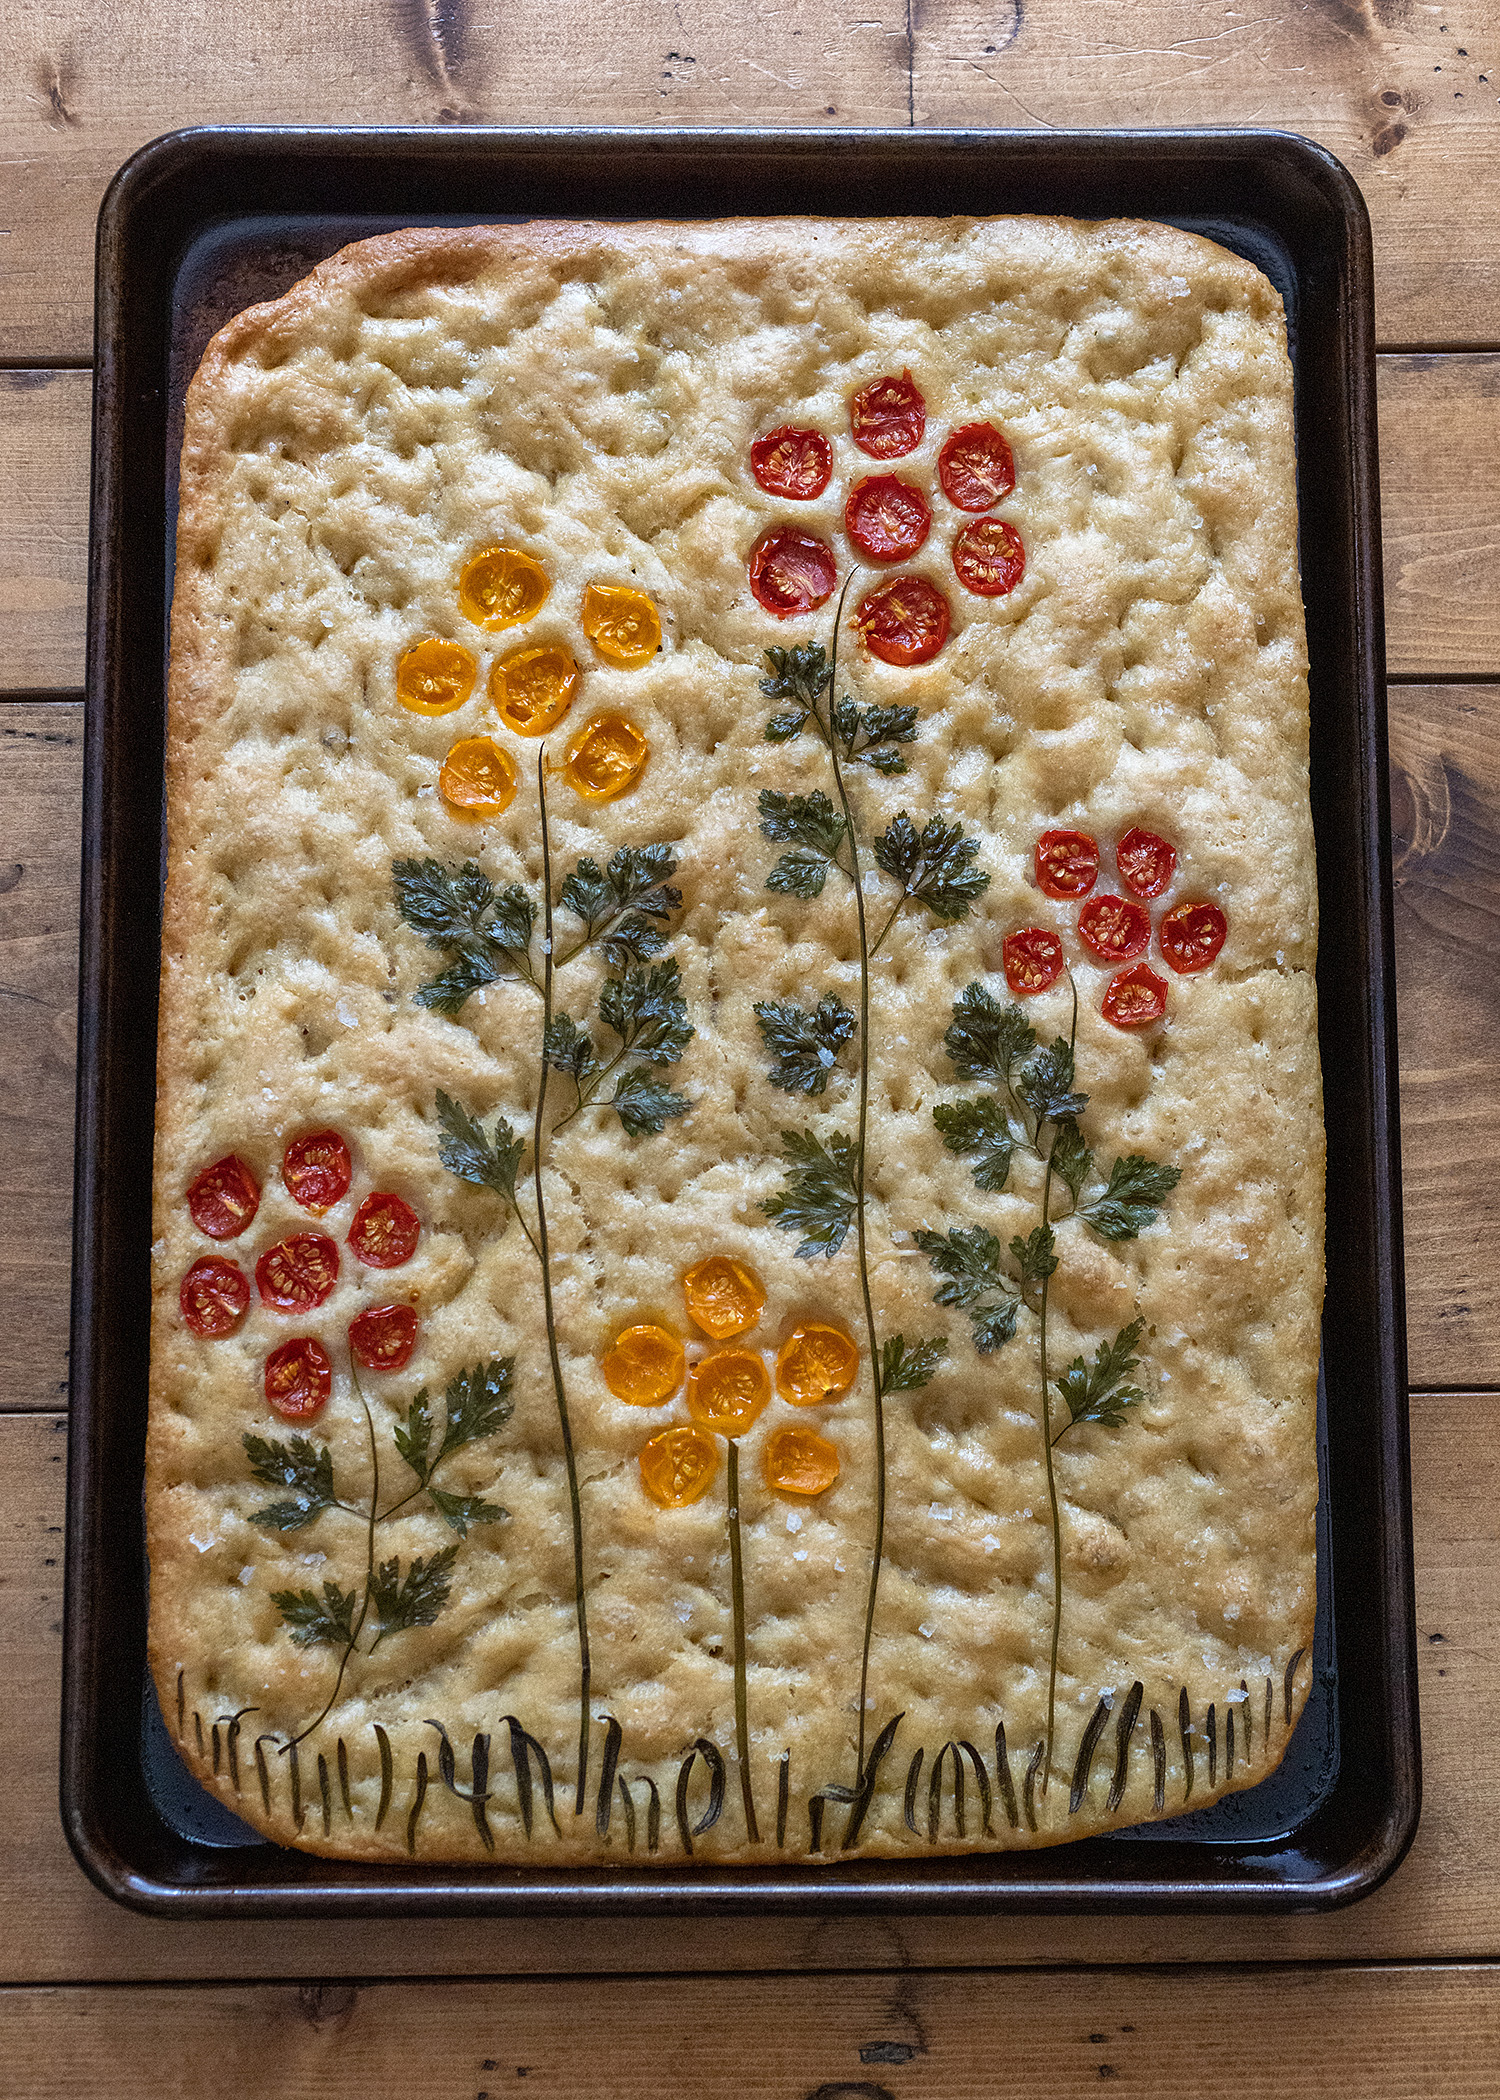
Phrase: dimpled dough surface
x=589 y=395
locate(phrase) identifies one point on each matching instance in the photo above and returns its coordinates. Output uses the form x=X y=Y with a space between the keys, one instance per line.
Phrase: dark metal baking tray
x=202 y=223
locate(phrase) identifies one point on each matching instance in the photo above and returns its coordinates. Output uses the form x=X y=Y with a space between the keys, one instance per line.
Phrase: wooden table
x=1400 y=1995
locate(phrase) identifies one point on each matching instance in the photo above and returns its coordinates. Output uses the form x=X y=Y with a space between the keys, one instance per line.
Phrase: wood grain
x=1405 y=95
x=44 y=527
x=1444 y=1902
x=1439 y=472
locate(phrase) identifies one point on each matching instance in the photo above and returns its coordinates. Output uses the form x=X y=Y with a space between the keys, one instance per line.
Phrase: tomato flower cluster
x=1114 y=928
x=297 y=1275
x=906 y=619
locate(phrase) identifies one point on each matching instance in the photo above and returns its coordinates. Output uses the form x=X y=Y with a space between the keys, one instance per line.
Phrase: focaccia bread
x=856 y=1393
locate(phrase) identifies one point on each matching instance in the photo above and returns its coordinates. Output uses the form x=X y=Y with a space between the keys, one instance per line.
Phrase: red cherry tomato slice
x=317 y=1170
x=383 y=1336
x=887 y=417
x=1192 y=935
x=791 y=572
x=1115 y=928
x=1067 y=863
x=976 y=468
x=887 y=519
x=989 y=558
x=1033 y=959
x=1137 y=998
x=224 y=1198
x=299 y=1378
x=214 y=1296
x=384 y=1232
x=298 y=1273
x=904 y=621
x=791 y=462
x=1146 y=862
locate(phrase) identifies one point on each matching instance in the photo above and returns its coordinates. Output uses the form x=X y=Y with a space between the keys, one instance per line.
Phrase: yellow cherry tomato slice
x=606 y=759
x=678 y=1466
x=816 y=1362
x=502 y=587
x=728 y=1391
x=723 y=1296
x=644 y=1365
x=623 y=625
x=800 y=1463
x=435 y=676
x=533 y=688
x=478 y=778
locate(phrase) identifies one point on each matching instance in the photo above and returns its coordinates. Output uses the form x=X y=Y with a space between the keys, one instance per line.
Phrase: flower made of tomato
x=791 y=571
x=606 y=759
x=800 y=1462
x=316 y=1170
x=622 y=623
x=298 y=1273
x=724 y=1297
x=976 y=467
x=887 y=417
x=904 y=621
x=678 y=1465
x=533 y=688
x=502 y=587
x=887 y=518
x=1146 y=862
x=1192 y=935
x=728 y=1390
x=1032 y=958
x=1114 y=928
x=298 y=1379
x=792 y=462
x=224 y=1198
x=214 y=1296
x=434 y=677
x=1067 y=863
x=1136 y=998
x=384 y=1336
x=384 y=1232
x=817 y=1362
x=643 y=1365
x=988 y=557
x=478 y=778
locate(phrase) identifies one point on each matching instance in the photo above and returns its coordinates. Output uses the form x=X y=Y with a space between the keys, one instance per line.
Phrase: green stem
x=586 y=1095
x=1047 y=1441
x=364 y=1605
x=737 y=1596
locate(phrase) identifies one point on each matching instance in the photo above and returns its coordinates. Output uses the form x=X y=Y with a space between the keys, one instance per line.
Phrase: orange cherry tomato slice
x=724 y=1297
x=1114 y=928
x=1067 y=863
x=643 y=1365
x=383 y=1336
x=729 y=1390
x=533 y=688
x=816 y=1362
x=887 y=518
x=989 y=558
x=975 y=467
x=1033 y=959
x=1146 y=862
x=678 y=1466
x=384 y=1232
x=887 y=417
x=607 y=759
x=799 y=1462
x=299 y=1379
x=478 y=778
x=214 y=1296
x=317 y=1170
x=793 y=463
x=435 y=677
x=1136 y=998
x=297 y=1274
x=1192 y=935
x=502 y=587
x=904 y=621
x=224 y=1198
x=623 y=625
x=791 y=571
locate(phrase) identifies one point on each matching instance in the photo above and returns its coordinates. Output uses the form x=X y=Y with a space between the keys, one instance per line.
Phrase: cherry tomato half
x=1137 y=998
x=298 y=1273
x=793 y=463
x=976 y=468
x=317 y=1170
x=224 y=1198
x=904 y=621
x=384 y=1232
x=214 y=1296
x=1115 y=928
x=1146 y=862
x=989 y=558
x=383 y=1336
x=299 y=1378
x=1192 y=935
x=888 y=417
x=791 y=572
x=1067 y=863
x=887 y=519
x=1033 y=959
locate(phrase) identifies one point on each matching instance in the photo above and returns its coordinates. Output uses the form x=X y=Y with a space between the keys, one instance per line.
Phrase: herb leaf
x=477 y=1403
x=643 y=1103
x=933 y=865
x=646 y=1010
x=869 y=738
x=304 y=1467
x=414 y=1599
x=1071 y=1157
x=978 y=1130
x=969 y=1258
x=1046 y=1084
x=414 y=1441
x=570 y=1049
x=799 y=675
x=312 y=1620
x=466 y=974
x=994 y=1325
x=906 y=1370
x=634 y=882
x=799 y=875
x=804 y=1046
x=464 y=1149
x=484 y=933
x=818 y=1199
x=814 y=826
x=1036 y=1256
x=1096 y=1392
x=458 y=1512
x=986 y=1040
x=1137 y=1188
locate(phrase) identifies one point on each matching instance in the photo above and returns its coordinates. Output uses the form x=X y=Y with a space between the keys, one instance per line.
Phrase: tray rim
x=457 y=1891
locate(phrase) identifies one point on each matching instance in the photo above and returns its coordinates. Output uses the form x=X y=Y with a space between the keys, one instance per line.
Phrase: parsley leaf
x=312 y=1620
x=445 y=906
x=978 y=1130
x=804 y=1046
x=869 y=738
x=995 y=1325
x=304 y=1467
x=1036 y=1256
x=464 y=1149
x=570 y=1049
x=986 y=1040
x=646 y=1010
x=1045 y=1084
x=932 y=865
x=1137 y=1188
x=485 y=933
x=818 y=1200
x=477 y=1403
x=969 y=1258
x=1096 y=1392
x=643 y=1104
x=632 y=890
x=1071 y=1157
x=414 y=1441
x=458 y=1512
x=904 y=1370
x=800 y=675
x=414 y=1599
x=468 y=973
x=817 y=830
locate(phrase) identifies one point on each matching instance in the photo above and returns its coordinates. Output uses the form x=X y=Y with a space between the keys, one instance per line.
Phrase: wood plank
x=1439 y=469
x=1264 y=2035
x=1444 y=1902
x=44 y=527
x=1405 y=95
